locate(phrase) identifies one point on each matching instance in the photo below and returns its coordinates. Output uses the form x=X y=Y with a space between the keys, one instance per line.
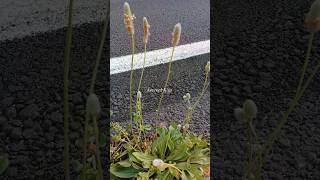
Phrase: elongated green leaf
x=179 y=154
x=143 y=156
x=124 y=172
x=125 y=163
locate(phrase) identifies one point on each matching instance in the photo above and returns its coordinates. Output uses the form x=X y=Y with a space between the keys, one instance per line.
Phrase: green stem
x=131 y=81
x=144 y=62
x=205 y=86
x=307 y=59
x=66 y=160
x=95 y=71
x=98 y=154
x=267 y=147
x=85 y=143
x=165 y=86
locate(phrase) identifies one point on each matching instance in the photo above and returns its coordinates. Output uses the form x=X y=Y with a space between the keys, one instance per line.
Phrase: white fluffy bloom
x=157 y=162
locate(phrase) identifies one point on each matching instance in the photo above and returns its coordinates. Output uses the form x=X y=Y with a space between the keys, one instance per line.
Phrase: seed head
x=128 y=18
x=250 y=109
x=312 y=20
x=93 y=105
x=176 y=34
x=146 y=30
x=157 y=162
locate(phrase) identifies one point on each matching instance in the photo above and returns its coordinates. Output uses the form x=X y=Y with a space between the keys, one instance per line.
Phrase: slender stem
x=98 y=154
x=267 y=147
x=86 y=124
x=307 y=59
x=131 y=81
x=95 y=71
x=165 y=86
x=205 y=86
x=144 y=62
x=66 y=161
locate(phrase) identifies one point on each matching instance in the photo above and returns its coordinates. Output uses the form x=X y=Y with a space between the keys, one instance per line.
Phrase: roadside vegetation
x=145 y=151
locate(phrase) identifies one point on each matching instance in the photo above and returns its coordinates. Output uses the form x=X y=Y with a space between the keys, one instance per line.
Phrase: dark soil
x=258 y=53
x=31 y=99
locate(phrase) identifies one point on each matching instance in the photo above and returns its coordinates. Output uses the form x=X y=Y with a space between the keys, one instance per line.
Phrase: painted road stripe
x=161 y=56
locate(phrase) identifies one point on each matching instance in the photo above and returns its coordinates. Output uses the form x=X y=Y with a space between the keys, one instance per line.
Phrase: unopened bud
x=93 y=105
x=250 y=109
x=188 y=96
x=139 y=95
x=207 y=68
x=176 y=34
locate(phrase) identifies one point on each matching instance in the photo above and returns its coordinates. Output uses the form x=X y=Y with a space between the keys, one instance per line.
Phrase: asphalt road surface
x=162 y=15
x=19 y=18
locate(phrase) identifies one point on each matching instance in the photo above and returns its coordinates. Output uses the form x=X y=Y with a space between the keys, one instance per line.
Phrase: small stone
x=28 y=123
x=16 y=133
x=11 y=112
x=29 y=133
x=6 y=102
x=3 y=120
x=56 y=117
x=30 y=111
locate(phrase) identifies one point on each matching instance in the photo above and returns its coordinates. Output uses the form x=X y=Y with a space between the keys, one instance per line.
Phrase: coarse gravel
x=260 y=48
x=31 y=99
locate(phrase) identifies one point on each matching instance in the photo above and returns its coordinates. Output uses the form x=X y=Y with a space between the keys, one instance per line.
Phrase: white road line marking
x=161 y=56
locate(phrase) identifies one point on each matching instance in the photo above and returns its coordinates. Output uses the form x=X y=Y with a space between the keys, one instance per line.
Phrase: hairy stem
x=95 y=71
x=272 y=138
x=98 y=154
x=205 y=86
x=85 y=141
x=131 y=82
x=144 y=62
x=165 y=86
x=66 y=156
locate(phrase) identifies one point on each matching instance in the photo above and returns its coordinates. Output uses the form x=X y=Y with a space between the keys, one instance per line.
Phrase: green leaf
x=200 y=156
x=124 y=172
x=143 y=156
x=103 y=140
x=143 y=176
x=76 y=165
x=179 y=154
x=174 y=172
x=125 y=163
x=4 y=163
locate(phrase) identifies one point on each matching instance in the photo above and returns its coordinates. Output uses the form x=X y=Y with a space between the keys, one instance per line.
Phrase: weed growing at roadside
x=93 y=140
x=159 y=152
x=257 y=150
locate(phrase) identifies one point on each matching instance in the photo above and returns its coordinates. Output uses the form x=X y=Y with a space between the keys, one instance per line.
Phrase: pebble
x=30 y=111
x=16 y=133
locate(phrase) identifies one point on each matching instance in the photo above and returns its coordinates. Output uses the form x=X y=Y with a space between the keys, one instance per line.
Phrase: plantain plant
x=158 y=152
x=91 y=166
